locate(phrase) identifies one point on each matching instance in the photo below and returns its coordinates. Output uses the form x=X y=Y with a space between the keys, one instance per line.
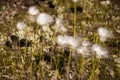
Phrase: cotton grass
x=67 y=41
x=106 y=2
x=44 y=19
x=100 y=51
x=33 y=11
x=60 y=26
x=21 y=25
x=85 y=51
x=85 y=48
x=104 y=34
x=75 y=0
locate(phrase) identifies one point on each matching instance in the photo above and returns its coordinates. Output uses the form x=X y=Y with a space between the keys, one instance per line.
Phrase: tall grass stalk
x=81 y=67
x=75 y=15
x=19 y=60
x=68 y=69
x=95 y=68
x=23 y=58
x=42 y=58
x=95 y=61
x=92 y=74
x=118 y=49
x=4 y=64
x=57 y=62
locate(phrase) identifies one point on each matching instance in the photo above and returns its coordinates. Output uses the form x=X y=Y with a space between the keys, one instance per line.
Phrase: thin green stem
x=81 y=66
x=92 y=74
x=69 y=65
x=75 y=15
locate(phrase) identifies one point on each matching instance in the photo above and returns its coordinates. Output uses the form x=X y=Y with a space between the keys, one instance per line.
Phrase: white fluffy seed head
x=21 y=25
x=33 y=10
x=44 y=19
x=72 y=41
x=100 y=52
x=104 y=34
x=75 y=0
x=85 y=51
x=67 y=41
x=60 y=26
x=107 y=2
x=61 y=40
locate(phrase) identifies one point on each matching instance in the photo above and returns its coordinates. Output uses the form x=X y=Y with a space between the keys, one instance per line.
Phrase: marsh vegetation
x=59 y=40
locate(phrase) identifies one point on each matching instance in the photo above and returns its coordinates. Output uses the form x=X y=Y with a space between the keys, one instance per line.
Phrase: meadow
x=59 y=40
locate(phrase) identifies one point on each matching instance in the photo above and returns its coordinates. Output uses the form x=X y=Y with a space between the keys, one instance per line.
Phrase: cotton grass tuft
x=60 y=26
x=44 y=19
x=33 y=11
x=104 y=34
x=21 y=25
x=100 y=51
x=67 y=41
